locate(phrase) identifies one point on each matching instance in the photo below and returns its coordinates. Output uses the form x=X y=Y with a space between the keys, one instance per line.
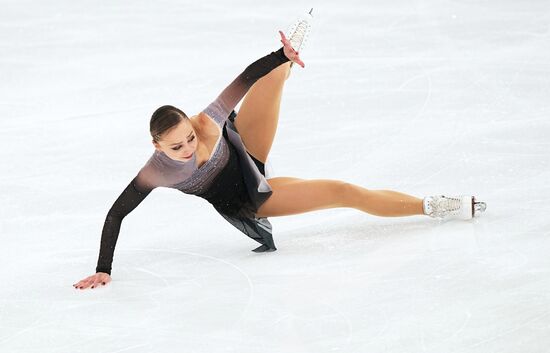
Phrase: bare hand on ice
x=93 y=281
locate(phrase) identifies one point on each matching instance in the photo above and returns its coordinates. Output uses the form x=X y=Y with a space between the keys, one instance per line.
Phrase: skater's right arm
x=127 y=201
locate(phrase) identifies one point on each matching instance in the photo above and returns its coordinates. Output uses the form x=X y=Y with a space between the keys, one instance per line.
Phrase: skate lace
x=443 y=206
x=299 y=32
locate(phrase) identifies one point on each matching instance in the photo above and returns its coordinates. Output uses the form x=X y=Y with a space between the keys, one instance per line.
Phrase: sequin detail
x=201 y=178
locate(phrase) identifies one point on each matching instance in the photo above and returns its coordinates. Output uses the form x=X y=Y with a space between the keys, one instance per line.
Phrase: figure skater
x=220 y=156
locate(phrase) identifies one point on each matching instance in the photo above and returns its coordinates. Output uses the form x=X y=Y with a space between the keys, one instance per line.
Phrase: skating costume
x=231 y=180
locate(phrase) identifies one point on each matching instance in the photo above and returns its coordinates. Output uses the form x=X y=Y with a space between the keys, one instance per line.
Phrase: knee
x=346 y=192
x=355 y=195
x=281 y=73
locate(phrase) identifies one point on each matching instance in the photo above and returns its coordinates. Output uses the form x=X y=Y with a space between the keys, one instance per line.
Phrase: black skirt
x=230 y=194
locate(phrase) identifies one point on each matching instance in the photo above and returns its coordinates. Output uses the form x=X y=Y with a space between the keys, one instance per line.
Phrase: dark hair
x=163 y=119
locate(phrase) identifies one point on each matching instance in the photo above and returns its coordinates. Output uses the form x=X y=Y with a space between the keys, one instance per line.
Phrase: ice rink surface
x=423 y=97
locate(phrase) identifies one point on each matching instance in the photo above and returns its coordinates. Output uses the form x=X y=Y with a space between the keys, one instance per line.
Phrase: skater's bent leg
x=293 y=196
x=258 y=115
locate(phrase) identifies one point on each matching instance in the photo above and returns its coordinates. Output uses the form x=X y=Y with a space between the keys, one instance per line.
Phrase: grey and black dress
x=232 y=180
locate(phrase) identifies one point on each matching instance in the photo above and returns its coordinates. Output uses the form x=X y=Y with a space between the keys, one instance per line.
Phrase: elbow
x=114 y=217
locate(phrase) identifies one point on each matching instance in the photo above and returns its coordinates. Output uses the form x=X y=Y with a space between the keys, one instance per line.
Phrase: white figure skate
x=299 y=32
x=456 y=207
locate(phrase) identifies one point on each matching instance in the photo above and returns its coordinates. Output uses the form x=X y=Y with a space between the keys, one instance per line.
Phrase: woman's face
x=178 y=143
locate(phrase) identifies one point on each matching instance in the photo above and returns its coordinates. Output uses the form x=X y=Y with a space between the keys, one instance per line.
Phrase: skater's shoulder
x=203 y=117
x=202 y=120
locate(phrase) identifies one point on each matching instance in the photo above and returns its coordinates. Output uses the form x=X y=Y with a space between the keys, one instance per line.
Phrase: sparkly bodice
x=186 y=176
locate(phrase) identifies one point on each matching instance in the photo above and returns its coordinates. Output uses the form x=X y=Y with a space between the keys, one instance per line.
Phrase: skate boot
x=457 y=207
x=298 y=33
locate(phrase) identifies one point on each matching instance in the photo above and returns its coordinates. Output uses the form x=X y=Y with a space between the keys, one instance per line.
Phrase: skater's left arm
x=228 y=99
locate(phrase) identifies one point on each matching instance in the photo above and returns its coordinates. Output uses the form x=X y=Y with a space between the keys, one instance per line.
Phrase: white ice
x=423 y=97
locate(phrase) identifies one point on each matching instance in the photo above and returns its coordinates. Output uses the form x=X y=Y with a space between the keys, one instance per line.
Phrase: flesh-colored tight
x=293 y=196
x=257 y=122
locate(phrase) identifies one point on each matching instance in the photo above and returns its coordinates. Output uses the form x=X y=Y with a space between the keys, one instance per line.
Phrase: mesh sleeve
x=228 y=99
x=127 y=201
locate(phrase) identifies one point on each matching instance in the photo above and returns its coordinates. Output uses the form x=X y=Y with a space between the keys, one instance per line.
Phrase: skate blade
x=478 y=207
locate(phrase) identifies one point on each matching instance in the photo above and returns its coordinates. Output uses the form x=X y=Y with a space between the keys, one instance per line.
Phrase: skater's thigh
x=294 y=195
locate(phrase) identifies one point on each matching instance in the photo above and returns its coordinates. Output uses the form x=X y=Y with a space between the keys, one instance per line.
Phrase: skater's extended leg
x=293 y=196
x=258 y=115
